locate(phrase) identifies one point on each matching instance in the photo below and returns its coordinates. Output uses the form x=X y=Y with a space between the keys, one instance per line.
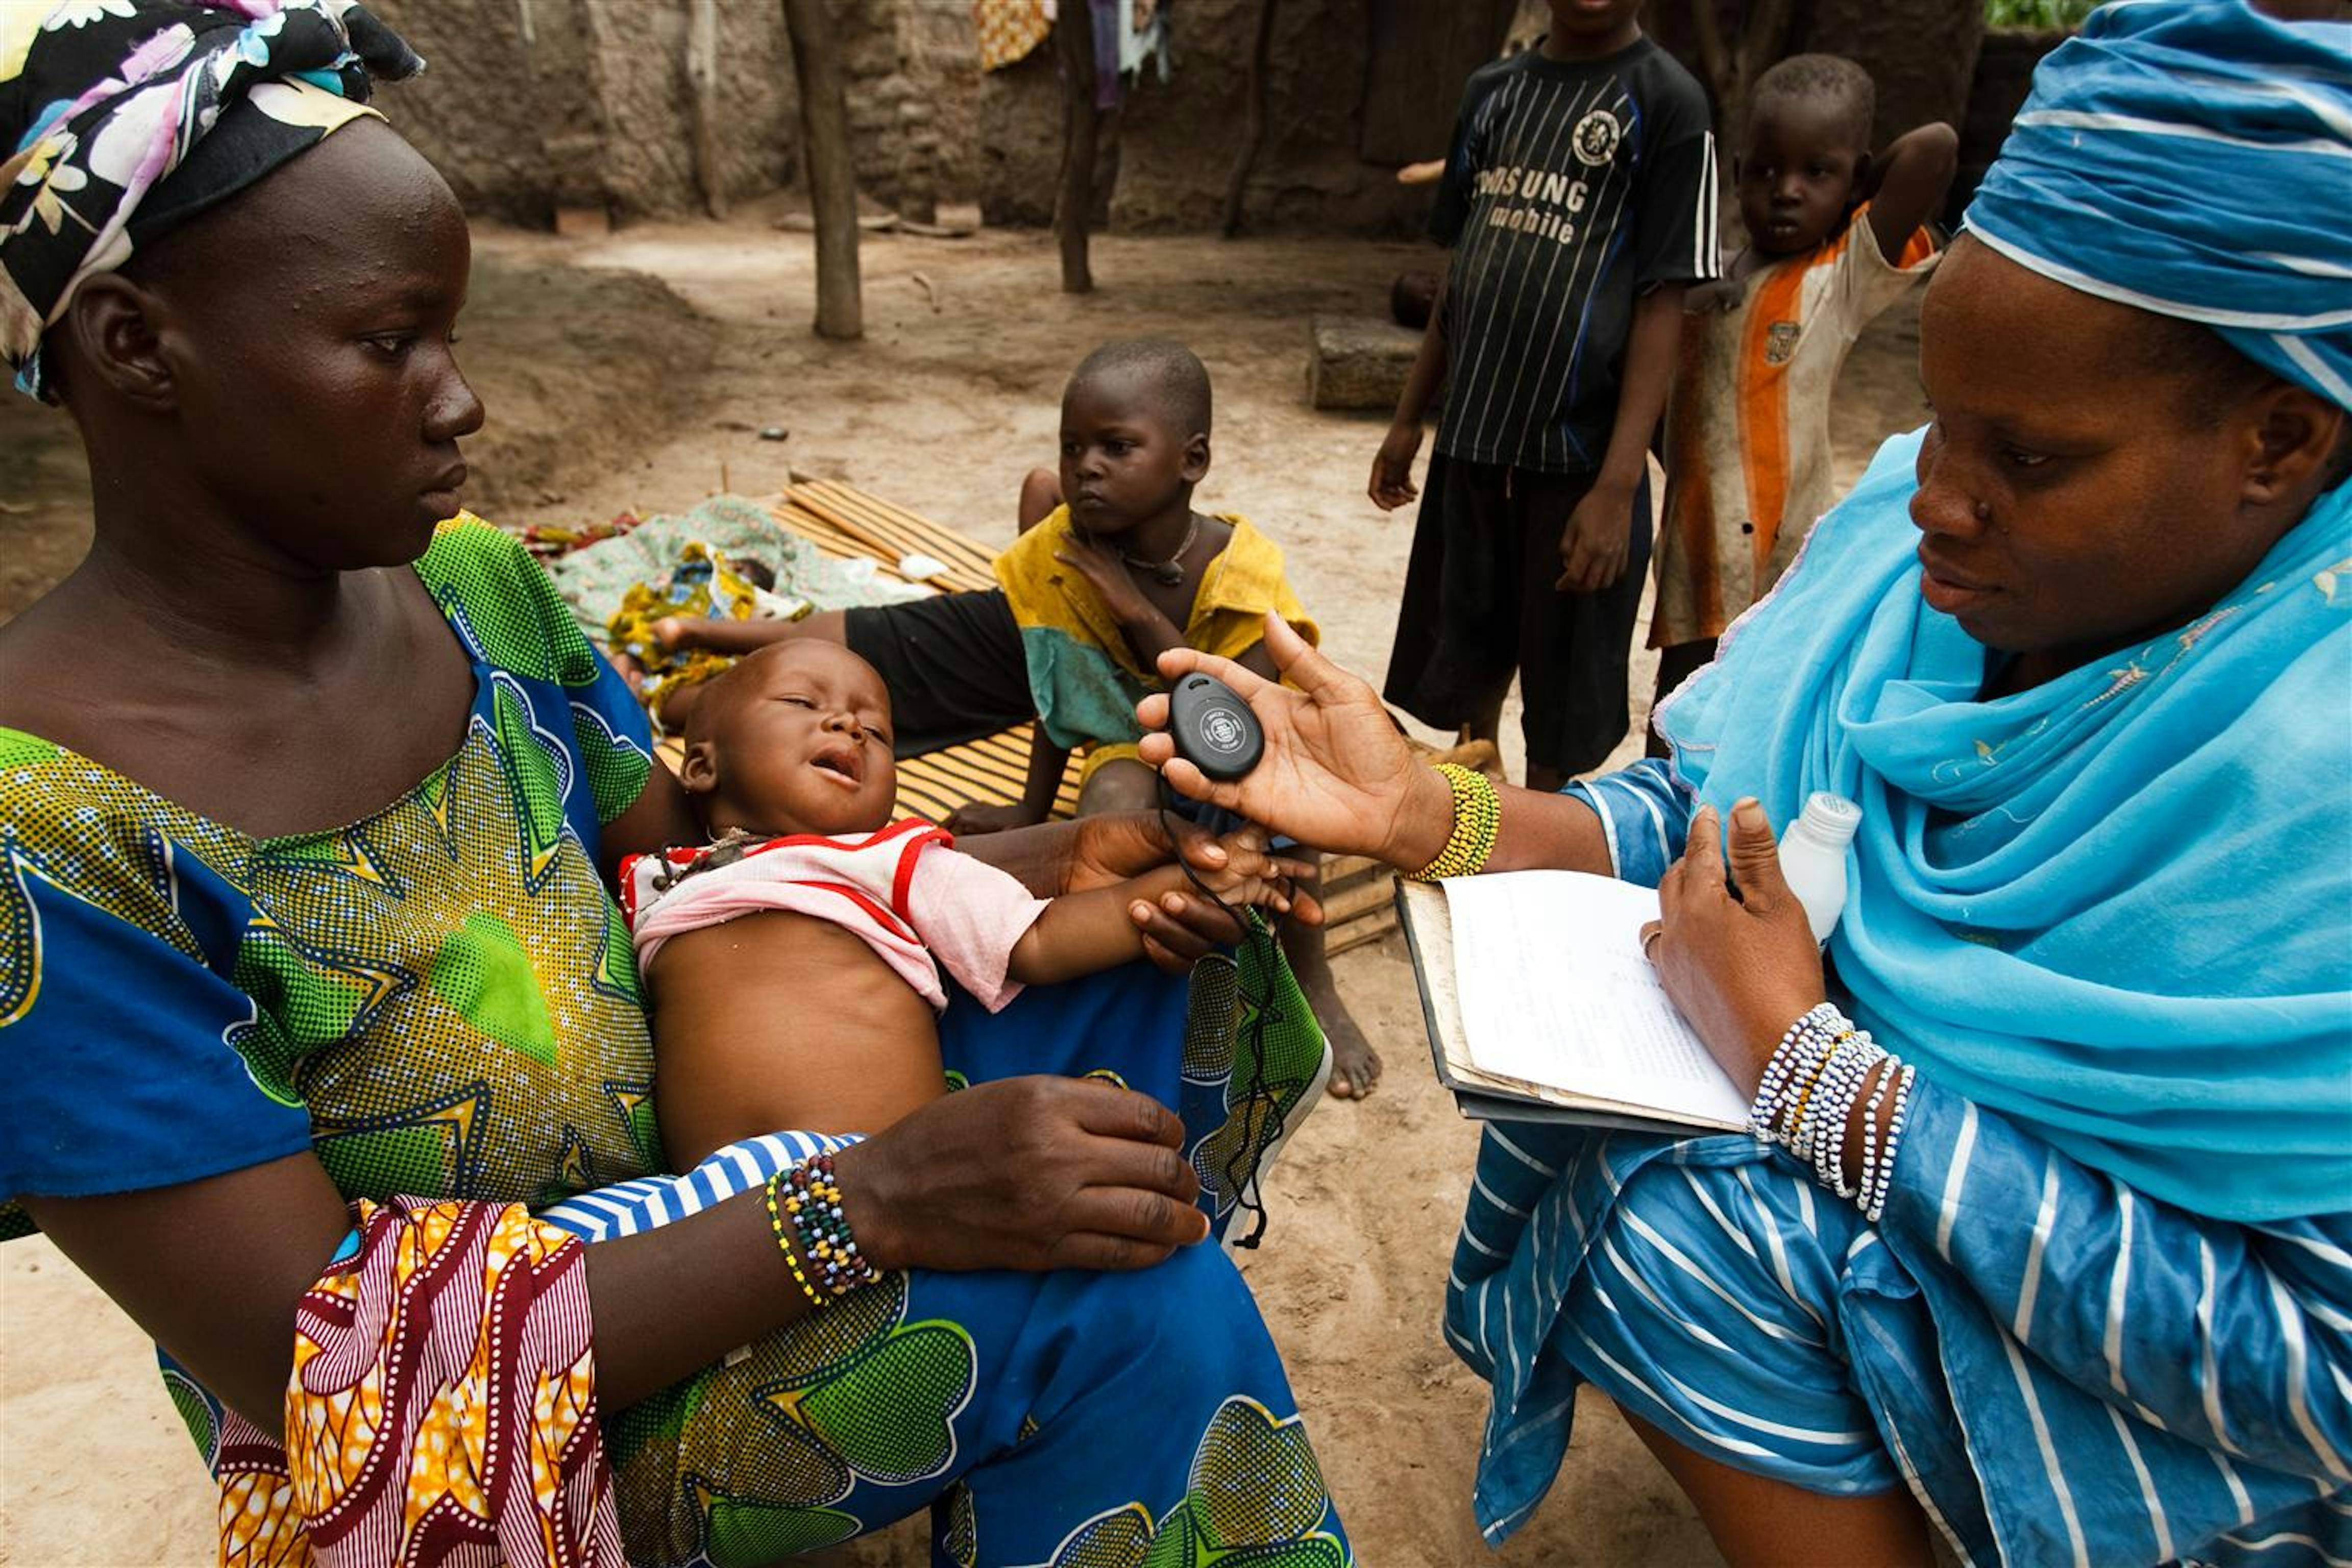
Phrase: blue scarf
x=2193 y=158
x=2118 y=906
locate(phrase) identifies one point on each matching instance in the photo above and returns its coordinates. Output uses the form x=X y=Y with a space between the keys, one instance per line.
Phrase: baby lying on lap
x=795 y=963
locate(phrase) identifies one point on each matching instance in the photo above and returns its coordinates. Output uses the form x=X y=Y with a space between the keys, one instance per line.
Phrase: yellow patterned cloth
x=443 y=1404
x=1083 y=675
x=703 y=586
x=1009 y=30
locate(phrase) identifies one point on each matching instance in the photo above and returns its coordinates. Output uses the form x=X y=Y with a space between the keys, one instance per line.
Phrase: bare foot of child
x=1355 y=1066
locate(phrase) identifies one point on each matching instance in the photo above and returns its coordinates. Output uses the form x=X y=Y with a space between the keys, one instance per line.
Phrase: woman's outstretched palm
x=1335 y=774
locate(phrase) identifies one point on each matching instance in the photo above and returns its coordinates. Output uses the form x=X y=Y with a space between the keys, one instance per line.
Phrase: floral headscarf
x=121 y=118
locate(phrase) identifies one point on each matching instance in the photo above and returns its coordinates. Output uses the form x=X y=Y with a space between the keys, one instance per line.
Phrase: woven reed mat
x=843 y=520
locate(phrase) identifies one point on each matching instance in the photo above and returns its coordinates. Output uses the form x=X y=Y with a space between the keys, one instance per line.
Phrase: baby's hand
x=1251 y=874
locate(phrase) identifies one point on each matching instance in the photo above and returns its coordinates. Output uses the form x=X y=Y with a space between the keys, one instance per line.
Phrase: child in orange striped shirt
x=1834 y=236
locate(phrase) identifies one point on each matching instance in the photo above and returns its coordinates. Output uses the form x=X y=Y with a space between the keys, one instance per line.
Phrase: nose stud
x=1984 y=511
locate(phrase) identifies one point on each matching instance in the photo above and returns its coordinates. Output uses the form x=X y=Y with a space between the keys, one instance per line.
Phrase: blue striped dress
x=2060 y=1369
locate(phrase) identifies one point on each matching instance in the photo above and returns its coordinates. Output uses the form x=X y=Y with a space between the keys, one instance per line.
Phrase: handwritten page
x=1555 y=991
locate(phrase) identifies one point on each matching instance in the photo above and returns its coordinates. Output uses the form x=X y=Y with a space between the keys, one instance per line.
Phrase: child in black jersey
x=1578 y=199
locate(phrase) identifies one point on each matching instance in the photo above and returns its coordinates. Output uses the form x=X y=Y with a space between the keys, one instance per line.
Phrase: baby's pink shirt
x=918 y=902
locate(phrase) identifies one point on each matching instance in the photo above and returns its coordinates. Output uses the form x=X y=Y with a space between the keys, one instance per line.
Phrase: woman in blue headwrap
x=2079 y=1053
x=311 y=988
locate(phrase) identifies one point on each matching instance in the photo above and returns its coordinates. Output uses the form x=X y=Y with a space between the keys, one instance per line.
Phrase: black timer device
x=1214 y=729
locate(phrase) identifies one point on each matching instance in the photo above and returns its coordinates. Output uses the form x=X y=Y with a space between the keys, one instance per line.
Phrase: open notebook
x=1541 y=1006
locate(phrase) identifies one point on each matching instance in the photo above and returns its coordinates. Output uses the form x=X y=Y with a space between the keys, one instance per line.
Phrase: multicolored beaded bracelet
x=1477 y=816
x=811 y=1199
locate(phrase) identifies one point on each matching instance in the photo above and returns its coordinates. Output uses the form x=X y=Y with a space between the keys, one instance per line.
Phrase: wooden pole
x=702 y=77
x=1073 y=42
x=1254 y=127
x=1110 y=131
x=1733 y=67
x=832 y=173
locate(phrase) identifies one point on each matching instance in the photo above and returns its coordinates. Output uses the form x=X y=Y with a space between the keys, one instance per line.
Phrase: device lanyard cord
x=1241 y=1166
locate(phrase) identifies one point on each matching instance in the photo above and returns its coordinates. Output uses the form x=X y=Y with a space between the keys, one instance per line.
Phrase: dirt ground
x=608 y=391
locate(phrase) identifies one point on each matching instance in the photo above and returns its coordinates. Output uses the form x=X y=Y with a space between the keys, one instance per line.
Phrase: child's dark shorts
x=953 y=666
x=1479 y=604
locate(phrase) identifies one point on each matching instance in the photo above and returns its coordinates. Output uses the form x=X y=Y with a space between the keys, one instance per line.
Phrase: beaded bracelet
x=1805 y=1137
x=1774 y=1094
x=1823 y=1133
x=1829 y=1153
x=784 y=1243
x=1875 y=1203
x=1885 y=1067
x=1477 y=814
x=1817 y=1122
x=1821 y=1046
x=1822 y=1068
x=811 y=1198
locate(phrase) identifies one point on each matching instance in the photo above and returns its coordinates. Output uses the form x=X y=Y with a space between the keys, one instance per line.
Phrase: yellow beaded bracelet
x=784 y=1244
x=1477 y=814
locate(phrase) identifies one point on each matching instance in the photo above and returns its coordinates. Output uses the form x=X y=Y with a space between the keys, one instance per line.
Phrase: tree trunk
x=832 y=175
x=1111 y=137
x=1765 y=27
x=1073 y=42
x=702 y=76
x=1254 y=127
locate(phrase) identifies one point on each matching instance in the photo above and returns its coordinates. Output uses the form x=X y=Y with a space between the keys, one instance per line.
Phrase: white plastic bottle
x=1812 y=858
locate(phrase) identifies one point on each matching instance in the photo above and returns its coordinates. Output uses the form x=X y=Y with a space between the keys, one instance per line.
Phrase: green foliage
x=2038 y=12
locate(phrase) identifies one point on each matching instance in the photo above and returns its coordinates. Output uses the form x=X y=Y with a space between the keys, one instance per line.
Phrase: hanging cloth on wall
x=1129 y=34
x=1009 y=30
x=1143 y=35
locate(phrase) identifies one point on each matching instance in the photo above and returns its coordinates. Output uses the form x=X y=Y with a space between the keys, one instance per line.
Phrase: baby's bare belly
x=778 y=1021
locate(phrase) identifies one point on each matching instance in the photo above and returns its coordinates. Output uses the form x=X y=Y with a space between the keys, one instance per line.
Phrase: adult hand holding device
x=1333 y=772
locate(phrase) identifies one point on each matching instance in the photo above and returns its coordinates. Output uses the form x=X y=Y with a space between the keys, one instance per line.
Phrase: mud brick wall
x=1179 y=138
x=532 y=105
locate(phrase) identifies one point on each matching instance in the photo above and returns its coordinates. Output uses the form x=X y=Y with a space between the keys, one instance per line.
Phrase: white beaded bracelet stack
x=1831 y=1108
x=1821 y=1069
